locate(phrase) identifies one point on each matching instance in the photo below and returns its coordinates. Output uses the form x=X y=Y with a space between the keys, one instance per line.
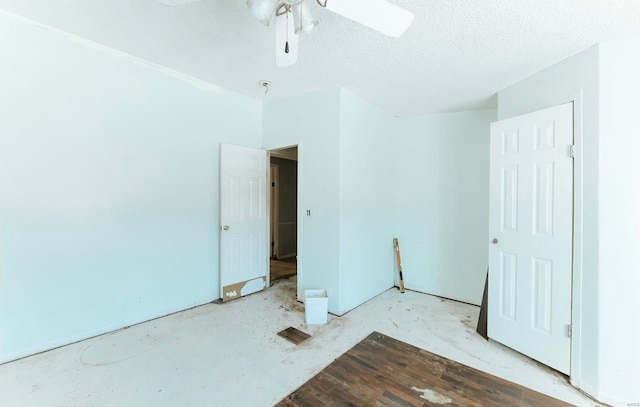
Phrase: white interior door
x=243 y=221
x=531 y=233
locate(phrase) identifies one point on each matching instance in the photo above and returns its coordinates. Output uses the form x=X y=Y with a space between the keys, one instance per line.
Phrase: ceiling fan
x=294 y=17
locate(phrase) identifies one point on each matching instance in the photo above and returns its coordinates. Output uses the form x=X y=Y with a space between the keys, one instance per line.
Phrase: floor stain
x=432 y=396
x=469 y=323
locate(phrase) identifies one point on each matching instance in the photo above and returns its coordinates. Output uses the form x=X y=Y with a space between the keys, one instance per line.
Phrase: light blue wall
x=108 y=188
x=312 y=121
x=442 y=202
x=367 y=179
x=619 y=285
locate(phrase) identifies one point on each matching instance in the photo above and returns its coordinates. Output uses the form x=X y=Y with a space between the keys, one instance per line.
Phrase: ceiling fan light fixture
x=304 y=20
x=380 y=15
x=262 y=10
x=265 y=85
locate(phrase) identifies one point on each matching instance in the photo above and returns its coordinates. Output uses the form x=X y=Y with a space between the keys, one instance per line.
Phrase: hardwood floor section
x=382 y=371
x=282 y=269
x=294 y=335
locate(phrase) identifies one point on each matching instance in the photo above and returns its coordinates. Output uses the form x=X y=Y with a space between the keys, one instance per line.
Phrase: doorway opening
x=283 y=213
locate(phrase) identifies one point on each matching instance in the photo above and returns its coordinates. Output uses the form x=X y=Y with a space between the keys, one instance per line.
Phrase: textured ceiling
x=455 y=56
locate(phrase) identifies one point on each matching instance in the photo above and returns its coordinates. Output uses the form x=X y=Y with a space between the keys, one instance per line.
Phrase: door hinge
x=572 y=150
x=569 y=330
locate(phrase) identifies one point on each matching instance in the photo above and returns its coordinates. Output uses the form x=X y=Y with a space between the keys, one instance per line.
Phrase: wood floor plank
x=279 y=269
x=294 y=335
x=382 y=371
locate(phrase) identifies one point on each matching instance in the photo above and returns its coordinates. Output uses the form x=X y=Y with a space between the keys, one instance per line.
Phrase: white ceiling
x=456 y=55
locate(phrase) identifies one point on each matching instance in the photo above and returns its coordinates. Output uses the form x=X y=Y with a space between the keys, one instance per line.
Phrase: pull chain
x=286 y=44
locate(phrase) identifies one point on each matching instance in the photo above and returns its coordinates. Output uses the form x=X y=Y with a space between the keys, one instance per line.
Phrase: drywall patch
x=432 y=396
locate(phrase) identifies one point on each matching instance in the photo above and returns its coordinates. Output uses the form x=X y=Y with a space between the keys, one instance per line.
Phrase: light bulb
x=262 y=10
x=307 y=23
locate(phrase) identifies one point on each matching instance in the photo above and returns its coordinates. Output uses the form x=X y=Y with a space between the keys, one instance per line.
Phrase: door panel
x=509 y=193
x=542 y=295
x=243 y=221
x=531 y=224
x=508 y=270
x=543 y=193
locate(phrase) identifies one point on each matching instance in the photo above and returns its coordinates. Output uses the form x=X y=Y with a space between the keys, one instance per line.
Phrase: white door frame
x=578 y=202
x=578 y=222
x=299 y=269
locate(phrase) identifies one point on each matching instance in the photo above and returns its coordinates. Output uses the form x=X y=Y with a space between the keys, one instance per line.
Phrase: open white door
x=243 y=221
x=531 y=233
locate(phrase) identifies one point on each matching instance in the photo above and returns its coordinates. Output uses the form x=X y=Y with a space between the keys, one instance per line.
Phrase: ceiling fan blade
x=286 y=41
x=379 y=15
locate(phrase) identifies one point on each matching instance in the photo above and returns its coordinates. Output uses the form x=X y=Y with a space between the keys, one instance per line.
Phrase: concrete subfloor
x=230 y=355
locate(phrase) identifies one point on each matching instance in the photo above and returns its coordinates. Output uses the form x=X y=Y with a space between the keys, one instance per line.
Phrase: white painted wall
x=108 y=188
x=312 y=121
x=367 y=179
x=442 y=202
x=619 y=232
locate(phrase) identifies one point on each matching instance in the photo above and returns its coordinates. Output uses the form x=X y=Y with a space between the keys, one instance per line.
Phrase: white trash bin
x=316 y=307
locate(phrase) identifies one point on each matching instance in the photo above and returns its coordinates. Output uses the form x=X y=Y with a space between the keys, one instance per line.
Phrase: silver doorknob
x=494 y=241
x=225 y=227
